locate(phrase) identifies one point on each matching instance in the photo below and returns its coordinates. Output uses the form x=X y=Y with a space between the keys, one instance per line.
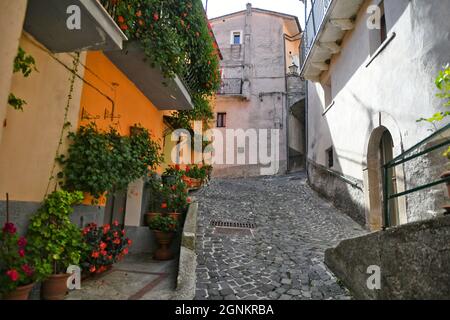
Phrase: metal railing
x=313 y=24
x=231 y=86
x=409 y=155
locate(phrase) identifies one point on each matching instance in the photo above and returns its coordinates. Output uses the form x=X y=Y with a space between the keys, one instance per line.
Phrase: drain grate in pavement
x=235 y=225
x=233 y=231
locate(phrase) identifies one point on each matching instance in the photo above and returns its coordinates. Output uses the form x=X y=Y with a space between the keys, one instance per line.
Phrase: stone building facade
x=370 y=67
x=259 y=90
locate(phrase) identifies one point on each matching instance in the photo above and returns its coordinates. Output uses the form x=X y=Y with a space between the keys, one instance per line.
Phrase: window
x=221 y=120
x=236 y=37
x=330 y=157
x=378 y=35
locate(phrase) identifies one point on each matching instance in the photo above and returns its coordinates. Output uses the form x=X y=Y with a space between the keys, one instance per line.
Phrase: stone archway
x=383 y=144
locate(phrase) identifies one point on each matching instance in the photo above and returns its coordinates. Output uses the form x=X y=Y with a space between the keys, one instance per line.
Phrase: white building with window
x=261 y=89
x=370 y=67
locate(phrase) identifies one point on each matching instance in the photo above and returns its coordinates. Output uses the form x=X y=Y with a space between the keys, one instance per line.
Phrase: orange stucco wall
x=130 y=105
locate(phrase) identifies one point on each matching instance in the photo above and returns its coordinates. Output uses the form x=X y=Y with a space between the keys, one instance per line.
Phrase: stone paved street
x=283 y=259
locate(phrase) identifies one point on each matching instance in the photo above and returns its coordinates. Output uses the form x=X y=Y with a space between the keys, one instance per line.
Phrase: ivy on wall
x=25 y=64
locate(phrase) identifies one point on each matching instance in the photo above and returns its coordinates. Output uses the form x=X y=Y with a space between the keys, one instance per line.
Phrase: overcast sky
x=218 y=8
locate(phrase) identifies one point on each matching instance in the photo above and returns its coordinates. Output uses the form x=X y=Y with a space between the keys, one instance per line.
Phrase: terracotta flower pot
x=148 y=217
x=164 y=240
x=55 y=287
x=175 y=215
x=21 y=293
x=196 y=183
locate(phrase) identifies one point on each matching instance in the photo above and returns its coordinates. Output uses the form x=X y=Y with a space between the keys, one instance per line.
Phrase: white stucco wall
x=398 y=84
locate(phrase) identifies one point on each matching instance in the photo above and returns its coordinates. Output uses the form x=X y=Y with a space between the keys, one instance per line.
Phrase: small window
x=236 y=37
x=221 y=120
x=330 y=157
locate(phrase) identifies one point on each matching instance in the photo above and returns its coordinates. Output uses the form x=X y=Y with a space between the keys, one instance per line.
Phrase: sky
x=218 y=8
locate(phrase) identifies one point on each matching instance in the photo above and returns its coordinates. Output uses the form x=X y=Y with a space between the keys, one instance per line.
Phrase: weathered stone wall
x=414 y=260
x=347 y=196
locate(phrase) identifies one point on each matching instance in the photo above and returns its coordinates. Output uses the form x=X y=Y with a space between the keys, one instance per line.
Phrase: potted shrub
x=196 y=175
x=164 y=229
x=104 y=246
x=56 y=242
x=17 y=275
x=175 y=199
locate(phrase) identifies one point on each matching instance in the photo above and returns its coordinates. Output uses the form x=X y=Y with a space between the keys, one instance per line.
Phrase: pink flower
x=21 y=253
x=9 y=228
x=13 y=275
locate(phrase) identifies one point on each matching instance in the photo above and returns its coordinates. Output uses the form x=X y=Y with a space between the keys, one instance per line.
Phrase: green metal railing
x=407 y=156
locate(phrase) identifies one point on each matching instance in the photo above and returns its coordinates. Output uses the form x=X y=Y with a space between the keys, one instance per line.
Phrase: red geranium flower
x=188 y=168
x=124 y=27
x=125 y=251
x=106 y=228
x=177 y=167
x=103 y=253
x=155 y=16
x=9 y=228
x=22 y=242
x=95 y=254
x=115 y=223
x=139 y=13
x=189 y=200
x=130 y=242
x=103 y=245
x=21 y=253
x=121 y=19
x=28 y=270
x=163 y=205
x=13 y=275
x=117 y=241
x=173 y=188
x=92 y=269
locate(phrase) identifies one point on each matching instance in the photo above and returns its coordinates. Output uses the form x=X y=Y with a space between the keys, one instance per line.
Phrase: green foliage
x=175 y=196
x=25 y=64
x=100 y=162
x=196 y=172
x=55 y=241
x=16 y=268
x=175 y=36
x=16 y=102
x=443 y=84
x=165 y=224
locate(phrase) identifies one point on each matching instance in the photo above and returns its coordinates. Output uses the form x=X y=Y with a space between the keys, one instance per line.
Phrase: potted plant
x=17 y=275
x=172 y=174
x=175 y=199
x=164 y=229
x=155 y=199
x=55 y=242
x=104 y=246
x=196 y=175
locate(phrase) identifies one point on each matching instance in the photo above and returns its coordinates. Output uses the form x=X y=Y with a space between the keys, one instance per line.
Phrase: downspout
x=286 y=105
x=306 y=104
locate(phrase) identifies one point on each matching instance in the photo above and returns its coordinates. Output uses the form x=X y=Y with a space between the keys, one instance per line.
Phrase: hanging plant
x=99 y=162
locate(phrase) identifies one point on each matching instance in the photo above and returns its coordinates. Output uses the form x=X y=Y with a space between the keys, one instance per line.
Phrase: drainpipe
x=286 y=105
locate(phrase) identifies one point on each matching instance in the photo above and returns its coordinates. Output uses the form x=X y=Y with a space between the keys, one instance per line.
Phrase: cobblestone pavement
x=283 y=259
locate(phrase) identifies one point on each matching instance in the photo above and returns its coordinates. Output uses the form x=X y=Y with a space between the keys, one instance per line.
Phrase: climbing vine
x=66 y=123
x=25 y=64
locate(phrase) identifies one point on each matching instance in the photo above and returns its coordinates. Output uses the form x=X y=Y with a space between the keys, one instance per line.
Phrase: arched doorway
x=381 y=149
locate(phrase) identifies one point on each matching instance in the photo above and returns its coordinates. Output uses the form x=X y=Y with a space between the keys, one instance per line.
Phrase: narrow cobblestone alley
x=283 y=257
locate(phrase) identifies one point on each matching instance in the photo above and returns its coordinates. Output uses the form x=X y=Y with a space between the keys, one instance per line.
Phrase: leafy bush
x=16 y=267
x=104 y=246
x=54 y=240
x=164 y=224
x=100 y=162
x=196 y=172
x=175 y=196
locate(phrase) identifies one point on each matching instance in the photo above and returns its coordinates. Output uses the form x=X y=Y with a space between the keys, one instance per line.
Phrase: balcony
x=46 y=20
x=231 y=87
x=326 y=26
x=164 y=93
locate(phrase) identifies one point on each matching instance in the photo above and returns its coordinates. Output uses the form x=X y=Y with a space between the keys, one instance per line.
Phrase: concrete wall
x=261 y=62
x=12 y=15
x=395 y=90
x=414 y=261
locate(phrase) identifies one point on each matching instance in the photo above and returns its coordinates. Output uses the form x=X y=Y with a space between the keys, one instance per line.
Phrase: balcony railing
x=231 y=86
x=313 y=25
